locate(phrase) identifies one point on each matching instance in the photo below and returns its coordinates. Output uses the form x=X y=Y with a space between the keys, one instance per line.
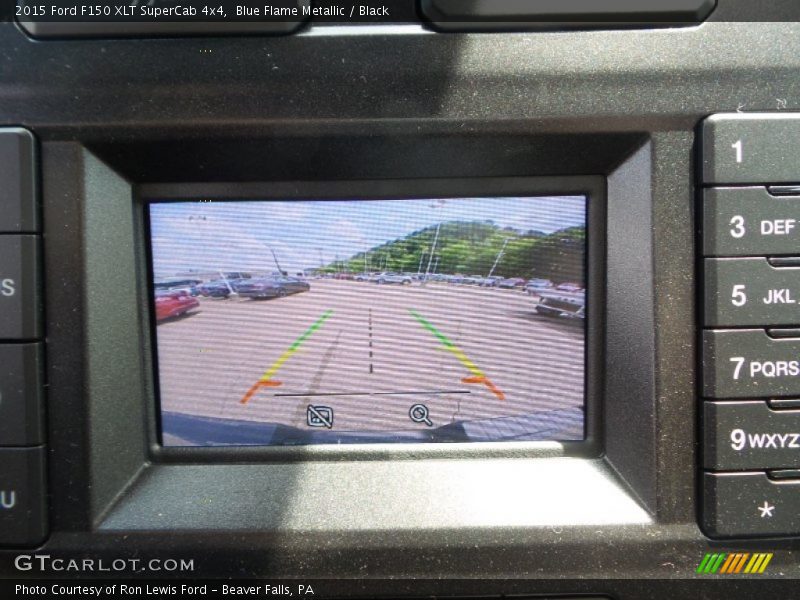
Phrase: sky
x=241 y=235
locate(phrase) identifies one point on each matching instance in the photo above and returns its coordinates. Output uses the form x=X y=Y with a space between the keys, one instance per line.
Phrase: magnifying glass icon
x=419 y=414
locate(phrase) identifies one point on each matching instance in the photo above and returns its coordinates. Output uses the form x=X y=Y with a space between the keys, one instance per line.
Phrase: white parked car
x=534 y=286
x=388 y=277
x=567 y=304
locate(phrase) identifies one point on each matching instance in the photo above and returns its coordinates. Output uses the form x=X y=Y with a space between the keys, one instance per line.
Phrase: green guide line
x=316 y=325
x=427 y=325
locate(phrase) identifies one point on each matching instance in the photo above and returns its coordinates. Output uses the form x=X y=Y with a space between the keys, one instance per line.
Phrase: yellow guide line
x=277 y=364
x=471 y=367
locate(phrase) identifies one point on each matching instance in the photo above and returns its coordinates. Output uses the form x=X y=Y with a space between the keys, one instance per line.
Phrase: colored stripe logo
x=734 y=563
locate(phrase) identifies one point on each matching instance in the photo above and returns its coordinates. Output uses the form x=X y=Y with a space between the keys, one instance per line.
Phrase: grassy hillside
x=471 y=248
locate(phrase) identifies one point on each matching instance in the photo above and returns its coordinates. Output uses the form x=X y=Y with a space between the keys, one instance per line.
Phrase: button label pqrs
x=765 y=368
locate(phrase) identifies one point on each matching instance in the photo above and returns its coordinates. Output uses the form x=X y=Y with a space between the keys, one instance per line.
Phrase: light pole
x=275 y=258
x=437 y=204
x=499 y=256
x=203 y=219
x=433 y=249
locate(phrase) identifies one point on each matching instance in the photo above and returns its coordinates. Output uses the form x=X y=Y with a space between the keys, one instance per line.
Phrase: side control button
x=18 y=210
x=751 y=221
x=750 y=504
x=750 y=291
x=742 y=436
x=748 y=363
x=21 y=394
x=23 y=513
x=19 y=288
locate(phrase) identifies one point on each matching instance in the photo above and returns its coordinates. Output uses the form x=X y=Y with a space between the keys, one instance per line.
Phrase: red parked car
x=174 y=304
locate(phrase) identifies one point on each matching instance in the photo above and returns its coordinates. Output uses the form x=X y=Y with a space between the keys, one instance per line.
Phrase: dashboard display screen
x=291 y=322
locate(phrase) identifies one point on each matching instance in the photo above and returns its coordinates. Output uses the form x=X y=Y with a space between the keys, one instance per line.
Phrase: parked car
x=388 y=277
x=178 y=285
x=568 y=304
x=271 y=287
x=216 y=289
x=535 y=286
x=472 y=280
x=569 y=287
x=511 y=283
x=491 y=281
x=173 y=304
x=236 y=275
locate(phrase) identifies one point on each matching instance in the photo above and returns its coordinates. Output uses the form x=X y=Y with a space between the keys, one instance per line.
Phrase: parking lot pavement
x=370 y=352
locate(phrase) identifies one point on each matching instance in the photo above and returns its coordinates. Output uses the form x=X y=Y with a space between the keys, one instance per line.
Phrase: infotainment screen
x=292 y=322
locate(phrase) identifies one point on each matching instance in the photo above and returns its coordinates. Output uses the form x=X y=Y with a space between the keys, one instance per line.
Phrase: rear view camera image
x=369 y=321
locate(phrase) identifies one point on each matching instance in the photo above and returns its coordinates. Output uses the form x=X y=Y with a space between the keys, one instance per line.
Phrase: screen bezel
x=592 y=187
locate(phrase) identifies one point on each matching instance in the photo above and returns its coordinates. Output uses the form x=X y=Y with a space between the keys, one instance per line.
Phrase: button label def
x=777 y=227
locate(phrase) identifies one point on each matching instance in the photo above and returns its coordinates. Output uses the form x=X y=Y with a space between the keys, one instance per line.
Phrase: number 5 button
x=750 y=292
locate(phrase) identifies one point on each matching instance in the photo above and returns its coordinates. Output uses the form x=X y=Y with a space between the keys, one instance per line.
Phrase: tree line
x=472 y=247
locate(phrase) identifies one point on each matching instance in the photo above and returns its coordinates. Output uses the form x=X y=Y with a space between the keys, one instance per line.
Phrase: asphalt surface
x=370 y=352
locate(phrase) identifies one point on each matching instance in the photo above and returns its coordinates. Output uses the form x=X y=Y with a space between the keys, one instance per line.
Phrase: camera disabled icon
x=319 y=416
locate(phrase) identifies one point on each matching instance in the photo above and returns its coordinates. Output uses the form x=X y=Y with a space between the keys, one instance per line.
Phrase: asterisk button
x=766 y=510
